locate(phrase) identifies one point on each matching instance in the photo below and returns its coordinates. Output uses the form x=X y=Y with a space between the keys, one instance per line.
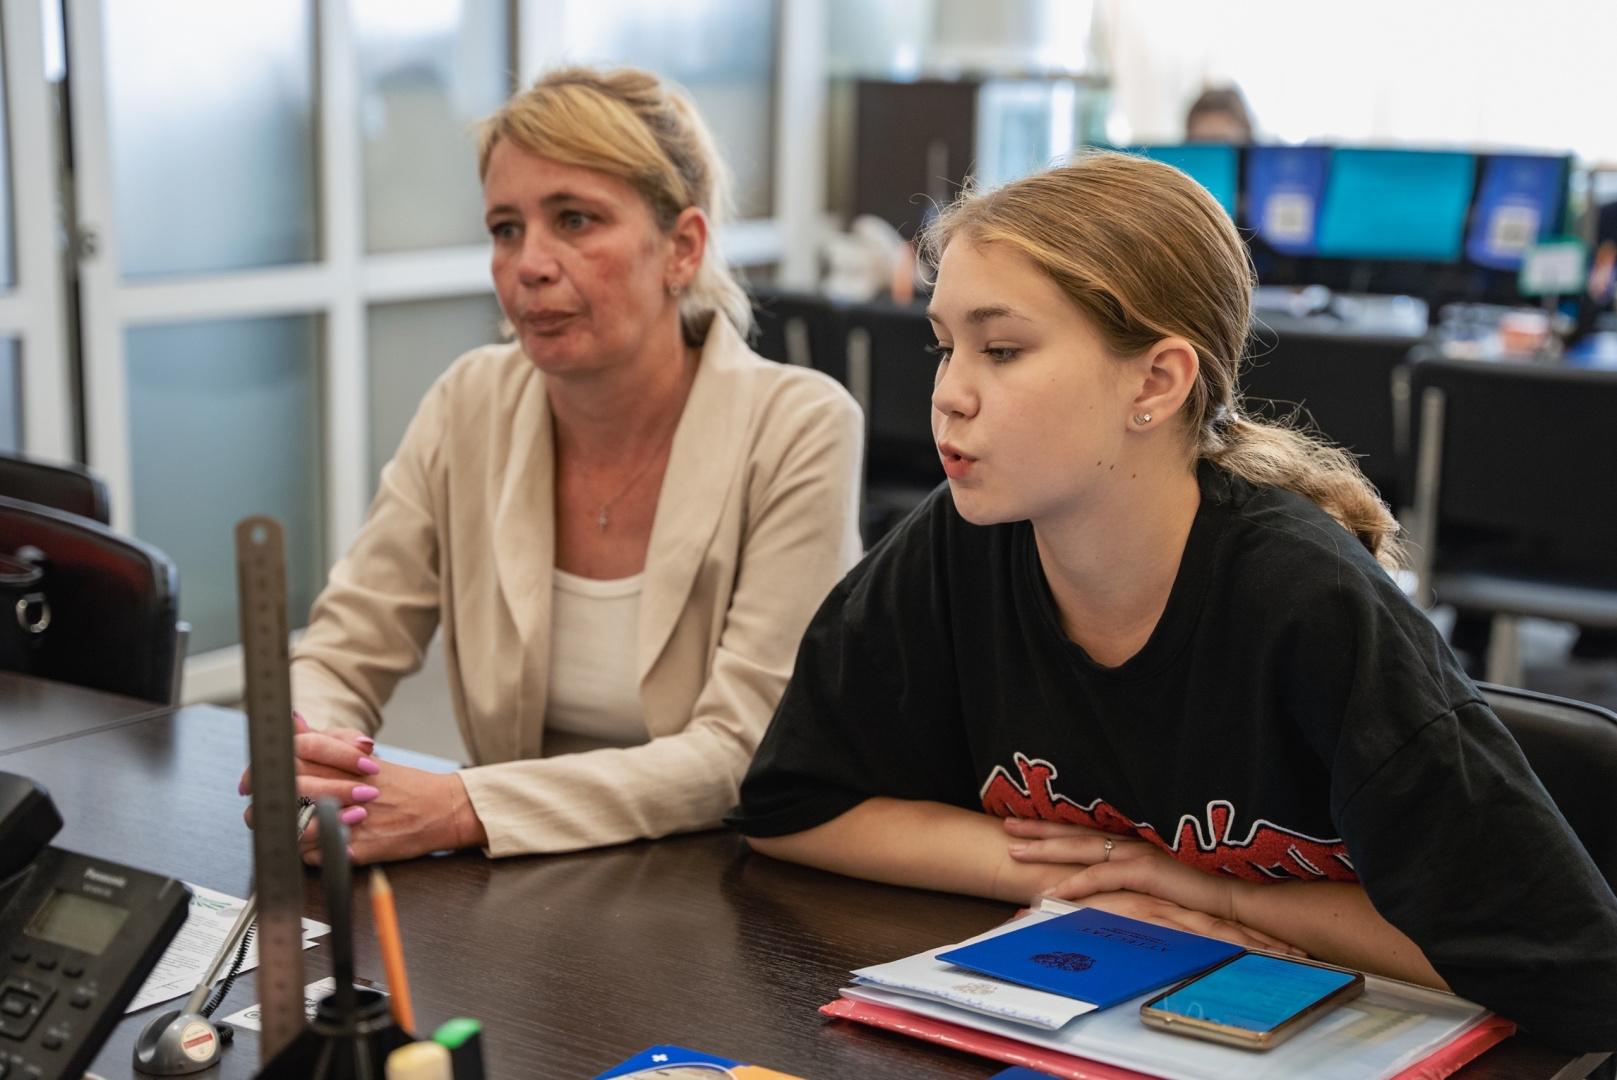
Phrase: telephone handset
x=78 y=936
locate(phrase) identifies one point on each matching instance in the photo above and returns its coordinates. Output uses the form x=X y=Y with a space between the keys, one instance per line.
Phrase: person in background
x=1219 y=115
x=621 y=522
x=1143 y=649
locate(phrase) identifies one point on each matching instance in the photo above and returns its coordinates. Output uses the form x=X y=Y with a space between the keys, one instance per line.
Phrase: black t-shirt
x=1292 y=717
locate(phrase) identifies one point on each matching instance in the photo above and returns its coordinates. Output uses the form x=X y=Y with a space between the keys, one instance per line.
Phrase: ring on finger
x=1110 y=844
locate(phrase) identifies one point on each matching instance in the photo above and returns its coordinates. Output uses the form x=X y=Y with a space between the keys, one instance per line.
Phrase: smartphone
x=1254 y=1001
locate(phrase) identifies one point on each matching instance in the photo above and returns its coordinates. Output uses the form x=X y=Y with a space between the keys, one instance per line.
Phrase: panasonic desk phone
x=78 y=936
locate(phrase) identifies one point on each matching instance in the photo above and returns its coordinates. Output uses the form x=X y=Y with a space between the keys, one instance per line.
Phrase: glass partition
x=224 y=422
x=722 y=51
x=210 y=116
x=10 y=397
x=429 y=70
x=411 y=344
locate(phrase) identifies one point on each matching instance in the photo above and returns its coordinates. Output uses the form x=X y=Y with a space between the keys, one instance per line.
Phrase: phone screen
x=1254 y=992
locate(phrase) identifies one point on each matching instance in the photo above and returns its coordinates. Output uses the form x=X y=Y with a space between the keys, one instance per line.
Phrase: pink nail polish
x=353 y=815
x=350 y=854
x=364 y=793
x=365 y=743
x=241 y=786
x=368 y=767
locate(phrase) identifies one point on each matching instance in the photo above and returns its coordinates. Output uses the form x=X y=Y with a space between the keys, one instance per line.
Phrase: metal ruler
x=277 y=868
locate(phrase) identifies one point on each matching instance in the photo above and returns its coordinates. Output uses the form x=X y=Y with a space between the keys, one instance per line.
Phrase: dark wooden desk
x=572 y=962
x=33 y=711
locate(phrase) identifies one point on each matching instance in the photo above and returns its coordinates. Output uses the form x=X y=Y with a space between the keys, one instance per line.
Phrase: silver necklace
x=602 y=520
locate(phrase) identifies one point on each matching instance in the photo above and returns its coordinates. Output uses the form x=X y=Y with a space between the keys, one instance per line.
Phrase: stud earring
x=1142 y=419
x=674 y=289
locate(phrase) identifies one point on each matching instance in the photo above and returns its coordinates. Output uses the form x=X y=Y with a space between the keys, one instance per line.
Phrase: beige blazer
x=757 y=519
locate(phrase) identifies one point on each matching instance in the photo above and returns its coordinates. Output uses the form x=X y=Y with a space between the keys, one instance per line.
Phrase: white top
x=594 y=689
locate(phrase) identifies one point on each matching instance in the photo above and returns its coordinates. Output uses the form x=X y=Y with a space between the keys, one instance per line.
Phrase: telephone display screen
x=77 y=922
x=1254 y=992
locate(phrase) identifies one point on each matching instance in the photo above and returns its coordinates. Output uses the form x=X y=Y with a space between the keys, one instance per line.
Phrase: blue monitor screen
x=1254 y=992
x=1516 y=207
x=1396 y=204
x=1284 y=188
x=1215 y=166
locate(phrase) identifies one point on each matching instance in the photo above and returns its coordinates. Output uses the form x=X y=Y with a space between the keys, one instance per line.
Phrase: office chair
x=1572 y=747
x=69 y=488
x=1515 y=507
x=1345 y=382
x=891 y=369
x=800 y=328
x=100 y=612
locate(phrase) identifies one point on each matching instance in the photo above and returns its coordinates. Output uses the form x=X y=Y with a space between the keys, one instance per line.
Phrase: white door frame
x=34 y=311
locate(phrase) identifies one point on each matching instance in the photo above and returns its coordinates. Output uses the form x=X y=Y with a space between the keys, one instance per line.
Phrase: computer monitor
x=1518 y=204
x=1396 y=204
x=1285 y=186
x=1215 y=166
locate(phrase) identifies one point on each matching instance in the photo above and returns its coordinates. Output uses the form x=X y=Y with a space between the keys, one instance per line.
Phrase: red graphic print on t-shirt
x=1268 y=853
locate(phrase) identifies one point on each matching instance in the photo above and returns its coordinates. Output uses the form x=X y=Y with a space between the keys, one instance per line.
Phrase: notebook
x=1093 y=956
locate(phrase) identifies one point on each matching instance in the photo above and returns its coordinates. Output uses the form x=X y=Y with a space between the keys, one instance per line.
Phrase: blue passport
x=1093 y=956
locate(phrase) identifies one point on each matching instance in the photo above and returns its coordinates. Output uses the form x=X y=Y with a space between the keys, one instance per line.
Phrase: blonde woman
x=1140 y=650
x=621 y=521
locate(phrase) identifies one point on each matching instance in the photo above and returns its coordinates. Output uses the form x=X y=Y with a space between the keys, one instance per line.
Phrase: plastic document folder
x=1214 y=166
x=1396 y=204
x=1284 y=188
x=1393 y=1031
x=1517 y=205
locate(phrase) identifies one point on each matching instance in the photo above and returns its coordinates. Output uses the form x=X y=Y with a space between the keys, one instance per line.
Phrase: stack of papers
x=187 y=957
x=1389 y=1028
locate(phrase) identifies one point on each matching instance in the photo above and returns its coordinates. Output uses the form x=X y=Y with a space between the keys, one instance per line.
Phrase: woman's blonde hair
x=630 y=124
x=1146 y=253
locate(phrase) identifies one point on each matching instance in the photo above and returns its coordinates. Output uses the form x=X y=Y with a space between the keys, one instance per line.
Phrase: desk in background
x=572 y=962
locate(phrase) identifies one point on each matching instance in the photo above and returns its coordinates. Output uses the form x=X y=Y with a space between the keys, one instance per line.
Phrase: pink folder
x=1437 y=1065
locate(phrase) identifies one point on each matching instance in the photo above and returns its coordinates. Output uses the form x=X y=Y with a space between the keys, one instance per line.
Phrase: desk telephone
x=78 y=936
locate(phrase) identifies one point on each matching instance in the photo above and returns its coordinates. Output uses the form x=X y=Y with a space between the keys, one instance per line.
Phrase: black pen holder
x=341 y=1047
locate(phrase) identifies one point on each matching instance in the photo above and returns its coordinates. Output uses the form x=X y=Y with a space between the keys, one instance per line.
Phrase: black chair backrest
x=1572 y=746
x=113 y=605
x=902 y=371
x=791 y=324
x=1527 y=485
x=69 y=488
x=1343 y=382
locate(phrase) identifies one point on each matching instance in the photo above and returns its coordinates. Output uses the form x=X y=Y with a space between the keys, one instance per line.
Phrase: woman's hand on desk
x=335 y=763
x=414 y=813
x=1137 y=879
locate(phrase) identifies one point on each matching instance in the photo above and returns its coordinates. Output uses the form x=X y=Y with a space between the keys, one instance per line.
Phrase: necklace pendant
x=601 y=521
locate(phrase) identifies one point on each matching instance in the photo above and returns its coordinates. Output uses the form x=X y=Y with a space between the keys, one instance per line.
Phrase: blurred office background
x=240 y=239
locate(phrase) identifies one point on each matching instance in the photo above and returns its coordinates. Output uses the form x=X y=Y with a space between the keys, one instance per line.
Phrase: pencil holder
x=352 y=1031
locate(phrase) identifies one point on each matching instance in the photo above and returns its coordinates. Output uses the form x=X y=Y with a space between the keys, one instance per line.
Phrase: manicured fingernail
x=369 y=767
x=241 y=786
x=298 y=722
x=364 y=793
x=354 y=815
x=350 y=854
x=365 y=743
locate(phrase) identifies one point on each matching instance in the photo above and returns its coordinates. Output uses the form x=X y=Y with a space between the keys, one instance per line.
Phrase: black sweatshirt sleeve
x=872 y=707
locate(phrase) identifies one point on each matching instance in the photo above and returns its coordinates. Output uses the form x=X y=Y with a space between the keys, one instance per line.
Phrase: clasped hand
x=1138 y=880
x=392 y=811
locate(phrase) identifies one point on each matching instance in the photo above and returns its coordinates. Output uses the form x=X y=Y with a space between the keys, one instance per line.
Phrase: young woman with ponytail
x=1143 y=650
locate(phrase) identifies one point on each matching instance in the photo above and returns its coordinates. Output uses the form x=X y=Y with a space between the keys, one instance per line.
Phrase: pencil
x=387 y=936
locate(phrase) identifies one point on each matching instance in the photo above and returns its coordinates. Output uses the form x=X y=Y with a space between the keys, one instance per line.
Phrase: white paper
x=1379 y=1034
x=924 y=975
x=207 y=926
x=248 y=1018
